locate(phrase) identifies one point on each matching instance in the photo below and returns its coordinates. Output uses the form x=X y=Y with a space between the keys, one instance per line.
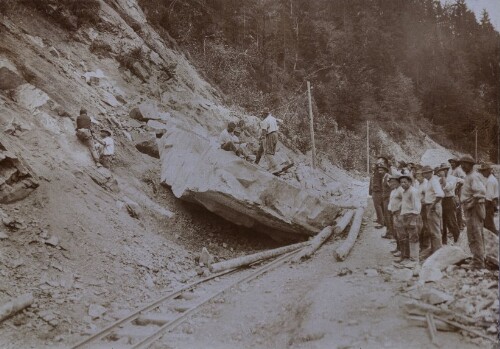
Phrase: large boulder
x=16 y=180
x=197 y=170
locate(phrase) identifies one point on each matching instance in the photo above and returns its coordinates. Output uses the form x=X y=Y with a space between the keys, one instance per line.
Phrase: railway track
x=148 y=324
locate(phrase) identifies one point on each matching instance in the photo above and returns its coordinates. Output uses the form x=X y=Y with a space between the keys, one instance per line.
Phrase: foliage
x=70 y=14
x=402 y=65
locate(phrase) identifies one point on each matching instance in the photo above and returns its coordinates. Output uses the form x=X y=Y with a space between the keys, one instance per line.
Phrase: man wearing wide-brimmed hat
x=433 y=208
x=472 y=198
x=375 y=190
x=107 y=149
x=394 y=208
x=424 y=238
x=449 y=183
x=491 y=204
x=411 y=221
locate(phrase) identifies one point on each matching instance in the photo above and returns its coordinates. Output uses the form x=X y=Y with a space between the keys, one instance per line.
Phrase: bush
x=70 y=14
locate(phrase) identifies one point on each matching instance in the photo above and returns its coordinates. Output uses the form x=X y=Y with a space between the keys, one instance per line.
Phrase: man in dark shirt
x=84 y=134
x=375 y=191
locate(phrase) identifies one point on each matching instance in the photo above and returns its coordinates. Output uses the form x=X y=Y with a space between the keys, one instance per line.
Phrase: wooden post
x=476 y=145
x=311 y=125
x=368 y=147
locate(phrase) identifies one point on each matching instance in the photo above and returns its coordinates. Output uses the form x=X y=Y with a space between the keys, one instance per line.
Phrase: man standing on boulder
x=472 y=198
x=491 y=203
x=269 y=139
x=84 y=134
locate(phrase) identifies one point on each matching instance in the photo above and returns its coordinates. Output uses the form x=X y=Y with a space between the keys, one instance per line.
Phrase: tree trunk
x=344 y=249
x=323 y=236
x=252 y=258
x=16 y=305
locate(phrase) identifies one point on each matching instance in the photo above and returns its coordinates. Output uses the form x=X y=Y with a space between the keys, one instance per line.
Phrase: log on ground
x=323 y=236
x=252 y=258
x=344 y=249
x=16 y=305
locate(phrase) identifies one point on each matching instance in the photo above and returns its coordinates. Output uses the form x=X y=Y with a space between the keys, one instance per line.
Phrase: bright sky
x=477 y=6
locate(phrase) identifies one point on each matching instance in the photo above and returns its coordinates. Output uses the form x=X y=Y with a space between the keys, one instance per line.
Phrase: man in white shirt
x=107 y=150
x=491 y=203
x=269 y=139
x=472 y=197
x=432 y=199
x=449 y=183
x=410 y=213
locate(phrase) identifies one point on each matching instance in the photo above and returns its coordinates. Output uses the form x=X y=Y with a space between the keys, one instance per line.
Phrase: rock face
x=16 y=181
x=197 y=170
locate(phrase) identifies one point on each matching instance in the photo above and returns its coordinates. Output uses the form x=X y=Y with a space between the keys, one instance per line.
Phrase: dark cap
x=83 y=111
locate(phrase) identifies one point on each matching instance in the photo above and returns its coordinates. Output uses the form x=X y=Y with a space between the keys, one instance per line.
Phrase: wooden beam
x=16 y=305
x=344 y=249
x=252 y=258
x=319 y=239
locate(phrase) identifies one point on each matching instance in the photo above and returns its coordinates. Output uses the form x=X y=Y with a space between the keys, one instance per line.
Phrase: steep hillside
x=89 y=243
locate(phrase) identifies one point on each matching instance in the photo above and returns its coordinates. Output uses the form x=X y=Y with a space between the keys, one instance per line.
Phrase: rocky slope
x=92 y=244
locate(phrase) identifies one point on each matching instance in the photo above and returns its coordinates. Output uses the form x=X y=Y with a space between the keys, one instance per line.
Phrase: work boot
x=396 y=254
x=424 y=254
x=414 y=251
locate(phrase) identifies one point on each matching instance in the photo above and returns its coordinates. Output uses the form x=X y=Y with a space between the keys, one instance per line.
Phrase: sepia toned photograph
x=254 y=174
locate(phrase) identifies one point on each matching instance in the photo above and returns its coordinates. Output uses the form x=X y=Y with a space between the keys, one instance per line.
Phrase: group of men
x=419 y=205
x=102 y=149
x=268 y=136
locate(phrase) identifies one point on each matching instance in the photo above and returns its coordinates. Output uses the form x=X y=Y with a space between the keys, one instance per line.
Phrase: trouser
x=396 y=226
x=449 y=220
x=489 y=220
x=411 y=223
x=387 y=217
x=474 y=217
x=424 y=237
x=460 y=215
x=378 y=203
x=106 y=160
x=260 y=152
x=434 y=220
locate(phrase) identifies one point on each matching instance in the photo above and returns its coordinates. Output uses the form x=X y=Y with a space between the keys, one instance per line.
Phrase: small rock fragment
x=205 y=257
x=96 y=311
x=3 y=235
x=53 y=241
x=433 y=296
x=371 y=272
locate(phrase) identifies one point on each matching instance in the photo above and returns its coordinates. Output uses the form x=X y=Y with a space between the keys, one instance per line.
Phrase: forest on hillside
x=401 y=64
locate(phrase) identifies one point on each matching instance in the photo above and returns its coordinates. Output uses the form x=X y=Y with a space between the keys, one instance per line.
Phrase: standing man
x=375 y=191
x=472 y=198
x=456 y=170
x=491 y=203
x=410 y=217
x=434 y=211
x=449 y=183
x=424 y=238
x=84 y=134
x=395 y=211
x=269 y=139
x=386 y=196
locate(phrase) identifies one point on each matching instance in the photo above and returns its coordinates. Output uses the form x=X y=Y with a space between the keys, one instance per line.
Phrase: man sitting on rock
x=107 y=150
x=228 y=141
x=84 y=134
